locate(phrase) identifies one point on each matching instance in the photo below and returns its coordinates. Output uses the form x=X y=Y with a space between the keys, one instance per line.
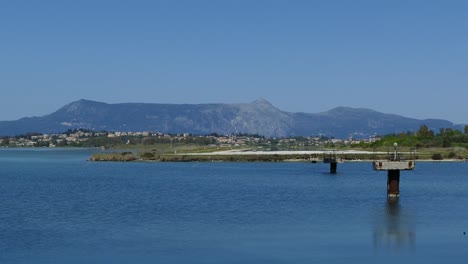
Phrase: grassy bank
x=202 y=155
x=149 y=156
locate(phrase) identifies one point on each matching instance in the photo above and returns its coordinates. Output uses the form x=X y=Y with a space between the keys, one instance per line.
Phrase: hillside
x=258 y=117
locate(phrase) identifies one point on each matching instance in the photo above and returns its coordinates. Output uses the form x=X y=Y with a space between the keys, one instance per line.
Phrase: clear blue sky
x=401 y=57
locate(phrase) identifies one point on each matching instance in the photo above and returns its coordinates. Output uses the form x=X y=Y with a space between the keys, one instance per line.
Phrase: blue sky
x=402 y=57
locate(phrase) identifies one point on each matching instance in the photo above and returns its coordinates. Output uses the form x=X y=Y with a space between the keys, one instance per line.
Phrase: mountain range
x=258 y=117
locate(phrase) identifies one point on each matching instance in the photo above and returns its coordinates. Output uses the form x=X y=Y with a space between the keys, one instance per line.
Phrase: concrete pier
x=393 y=169
x=393 y=166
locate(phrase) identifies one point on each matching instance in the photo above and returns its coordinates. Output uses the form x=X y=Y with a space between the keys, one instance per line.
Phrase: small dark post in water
x=333 y=162
x=393 y=166
x=333 y=166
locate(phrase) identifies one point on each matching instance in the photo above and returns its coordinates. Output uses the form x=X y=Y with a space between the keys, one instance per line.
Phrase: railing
x=395 y=155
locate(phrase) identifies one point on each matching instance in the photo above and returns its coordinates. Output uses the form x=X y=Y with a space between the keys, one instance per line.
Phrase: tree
x=425 y=132
x=442 y=131
x=466 y=129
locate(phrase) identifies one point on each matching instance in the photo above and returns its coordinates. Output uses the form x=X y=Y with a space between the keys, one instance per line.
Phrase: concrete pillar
x=333 y=166
x=393 y=183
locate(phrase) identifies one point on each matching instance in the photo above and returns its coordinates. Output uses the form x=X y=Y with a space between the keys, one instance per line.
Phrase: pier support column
x=333 y=166
x=393 y=183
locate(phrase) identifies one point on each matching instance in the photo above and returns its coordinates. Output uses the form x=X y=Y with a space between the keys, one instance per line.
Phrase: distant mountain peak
x=262 y=101
x=83 y=102
x=80 y=105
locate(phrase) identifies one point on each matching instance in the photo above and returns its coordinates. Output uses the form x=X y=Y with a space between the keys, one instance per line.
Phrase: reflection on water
x=394 y=228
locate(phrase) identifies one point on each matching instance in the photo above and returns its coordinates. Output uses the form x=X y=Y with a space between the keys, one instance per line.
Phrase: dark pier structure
x=333 y=160
x=393 y=165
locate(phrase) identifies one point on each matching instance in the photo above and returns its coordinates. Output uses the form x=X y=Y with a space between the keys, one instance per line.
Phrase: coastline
x=238 y=155
x=314 y=156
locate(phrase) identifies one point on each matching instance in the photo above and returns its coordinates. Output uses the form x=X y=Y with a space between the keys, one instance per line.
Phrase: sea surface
x=56 y=207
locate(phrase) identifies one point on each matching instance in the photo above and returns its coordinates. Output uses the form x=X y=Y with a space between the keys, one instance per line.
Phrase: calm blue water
x=55 y=207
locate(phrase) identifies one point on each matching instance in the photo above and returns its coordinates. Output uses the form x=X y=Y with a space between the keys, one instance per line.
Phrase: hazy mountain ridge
x=258 y=117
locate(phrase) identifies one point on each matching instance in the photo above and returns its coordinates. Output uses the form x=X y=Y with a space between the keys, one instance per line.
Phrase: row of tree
x=426 y=138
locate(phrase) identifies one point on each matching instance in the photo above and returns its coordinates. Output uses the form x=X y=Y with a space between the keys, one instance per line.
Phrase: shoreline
x=257 y=156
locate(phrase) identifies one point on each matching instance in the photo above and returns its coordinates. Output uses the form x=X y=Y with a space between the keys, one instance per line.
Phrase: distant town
x=104 y=139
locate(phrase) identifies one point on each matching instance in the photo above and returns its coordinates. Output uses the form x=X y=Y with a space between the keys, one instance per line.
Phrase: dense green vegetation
x=447 y=144
x=424 y=138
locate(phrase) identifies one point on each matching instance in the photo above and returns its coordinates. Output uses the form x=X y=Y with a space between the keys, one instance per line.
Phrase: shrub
x=451 y=155
x=147 y=155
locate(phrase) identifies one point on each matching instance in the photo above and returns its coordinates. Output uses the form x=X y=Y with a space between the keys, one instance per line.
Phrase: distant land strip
x=261 y=156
